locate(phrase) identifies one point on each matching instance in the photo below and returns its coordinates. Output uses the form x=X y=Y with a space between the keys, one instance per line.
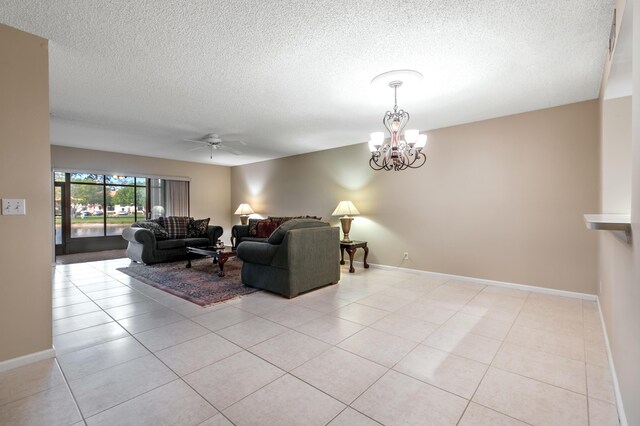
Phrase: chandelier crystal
x=397 y=154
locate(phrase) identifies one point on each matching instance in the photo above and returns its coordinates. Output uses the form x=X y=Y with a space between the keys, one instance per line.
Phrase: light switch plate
x=14 y=206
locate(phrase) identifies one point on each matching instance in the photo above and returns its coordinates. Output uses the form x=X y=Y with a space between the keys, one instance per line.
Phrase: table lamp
x=345 y=208
x=244 y=210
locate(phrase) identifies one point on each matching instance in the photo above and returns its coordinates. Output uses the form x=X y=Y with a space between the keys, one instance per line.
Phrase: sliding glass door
x=91 y=210
x=60 y=219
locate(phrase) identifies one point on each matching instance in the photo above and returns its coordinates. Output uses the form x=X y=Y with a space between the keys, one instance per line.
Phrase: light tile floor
x=381 y=347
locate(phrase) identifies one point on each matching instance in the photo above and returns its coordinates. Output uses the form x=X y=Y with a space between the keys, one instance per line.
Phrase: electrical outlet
x=406 y=255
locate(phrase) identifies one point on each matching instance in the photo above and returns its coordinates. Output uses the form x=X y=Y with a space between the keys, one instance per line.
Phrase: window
x=97 y=205
x=103 y=205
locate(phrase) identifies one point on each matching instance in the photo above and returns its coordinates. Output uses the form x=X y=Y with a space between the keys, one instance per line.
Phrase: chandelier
x=397 y=154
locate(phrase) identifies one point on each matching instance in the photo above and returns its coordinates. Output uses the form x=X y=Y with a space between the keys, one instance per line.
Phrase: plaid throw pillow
x=177 y=226
x=198 y=228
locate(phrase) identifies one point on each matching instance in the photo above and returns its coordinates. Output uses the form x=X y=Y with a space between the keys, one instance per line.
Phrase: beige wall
x=619 y=261
x=500 y=199
x=25 y=252
x=209 y=185
x=617 y=283
x=615 y=161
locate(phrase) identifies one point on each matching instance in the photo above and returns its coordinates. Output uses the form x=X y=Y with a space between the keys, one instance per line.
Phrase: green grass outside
x=100 y=219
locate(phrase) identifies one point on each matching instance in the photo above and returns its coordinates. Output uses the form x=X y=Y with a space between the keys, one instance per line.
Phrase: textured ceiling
x=290 y=77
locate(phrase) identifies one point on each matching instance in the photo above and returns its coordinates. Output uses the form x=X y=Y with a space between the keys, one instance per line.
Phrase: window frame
x=105 y=185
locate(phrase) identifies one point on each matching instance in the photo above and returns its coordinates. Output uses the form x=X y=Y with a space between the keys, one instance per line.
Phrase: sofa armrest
x=237 y=233
x=257 y=252
x=140 y=236
x=214 y=233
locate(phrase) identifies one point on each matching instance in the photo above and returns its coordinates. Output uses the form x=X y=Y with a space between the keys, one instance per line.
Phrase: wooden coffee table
x=220 y=256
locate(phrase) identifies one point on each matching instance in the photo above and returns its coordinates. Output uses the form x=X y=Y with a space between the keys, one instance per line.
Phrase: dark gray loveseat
x=240 y=233
x=145 y=248
x=260 y=229
x=300 y=255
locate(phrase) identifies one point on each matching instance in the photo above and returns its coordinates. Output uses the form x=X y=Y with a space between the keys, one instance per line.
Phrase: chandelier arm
x=383 y=158
x=420 y=156
x=385 y=119
x=406 y=161
x=374 y=165
x=379 y=159
x=388 y=154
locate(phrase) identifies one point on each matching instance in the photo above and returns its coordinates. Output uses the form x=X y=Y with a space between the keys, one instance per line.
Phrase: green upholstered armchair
x=301 y=255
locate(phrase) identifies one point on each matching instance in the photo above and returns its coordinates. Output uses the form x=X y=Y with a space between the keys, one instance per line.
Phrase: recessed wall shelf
x=610 y=222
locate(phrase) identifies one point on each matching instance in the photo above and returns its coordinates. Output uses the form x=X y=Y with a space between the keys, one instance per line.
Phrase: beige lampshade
x=345 y=208
x=244 y=209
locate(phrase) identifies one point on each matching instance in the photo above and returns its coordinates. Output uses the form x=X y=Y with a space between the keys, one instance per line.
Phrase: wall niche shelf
x=610 y=222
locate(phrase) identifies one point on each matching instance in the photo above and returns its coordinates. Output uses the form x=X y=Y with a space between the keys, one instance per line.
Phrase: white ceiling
x=292 y=76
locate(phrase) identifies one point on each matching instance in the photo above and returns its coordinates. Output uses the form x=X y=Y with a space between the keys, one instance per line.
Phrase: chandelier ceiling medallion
x=397 y=154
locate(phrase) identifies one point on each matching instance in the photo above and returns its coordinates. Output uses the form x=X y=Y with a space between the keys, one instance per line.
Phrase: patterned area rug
x=200 y=284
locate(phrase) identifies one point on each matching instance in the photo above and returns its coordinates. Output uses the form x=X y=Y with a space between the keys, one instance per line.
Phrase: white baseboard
x=27 y=359
x=524 y=287
x=616 y=386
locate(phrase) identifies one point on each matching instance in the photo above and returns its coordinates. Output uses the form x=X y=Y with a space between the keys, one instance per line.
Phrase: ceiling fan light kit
x=397 y=154
x=213 y=142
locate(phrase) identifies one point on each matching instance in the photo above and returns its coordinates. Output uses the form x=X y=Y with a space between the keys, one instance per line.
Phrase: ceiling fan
x=214 y=143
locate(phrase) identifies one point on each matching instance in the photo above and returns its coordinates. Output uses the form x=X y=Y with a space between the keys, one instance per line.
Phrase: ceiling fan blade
x=235 y=141
x=198 y=148
x=231 y=150
x=196 y=141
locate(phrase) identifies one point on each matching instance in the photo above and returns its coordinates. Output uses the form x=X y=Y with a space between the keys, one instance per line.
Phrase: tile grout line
x=330 y=344
x=285 y=371
x=490 y=365
x=403 y=357
x=388 y=368
x=178 y=377
x=181 y=378
x=73 y=396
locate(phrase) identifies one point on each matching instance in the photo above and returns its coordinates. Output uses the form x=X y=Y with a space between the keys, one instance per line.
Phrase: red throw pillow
x=265 y=227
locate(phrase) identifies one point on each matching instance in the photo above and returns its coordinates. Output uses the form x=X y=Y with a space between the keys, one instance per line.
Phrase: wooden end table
x=220 y=256
x=351 y=248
